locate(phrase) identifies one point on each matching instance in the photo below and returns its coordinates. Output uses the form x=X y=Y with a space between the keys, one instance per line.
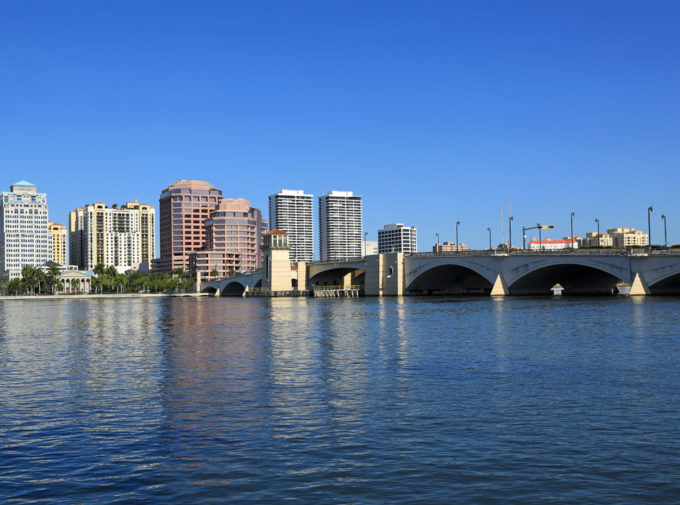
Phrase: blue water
x=417 y=400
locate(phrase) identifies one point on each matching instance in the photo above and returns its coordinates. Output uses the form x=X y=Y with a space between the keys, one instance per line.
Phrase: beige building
x=58 y=237
x=147 y=230
x=445 y=247
x=628 y=237
x=110 y=236
x=592 y=240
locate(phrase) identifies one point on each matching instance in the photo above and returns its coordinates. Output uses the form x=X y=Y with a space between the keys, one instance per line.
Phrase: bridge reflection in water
x=581 y=272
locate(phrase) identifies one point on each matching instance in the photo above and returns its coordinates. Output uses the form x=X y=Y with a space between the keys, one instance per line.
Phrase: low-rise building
x=369 y=247
x=445 y=247
x=602 y=240
x=552 y=245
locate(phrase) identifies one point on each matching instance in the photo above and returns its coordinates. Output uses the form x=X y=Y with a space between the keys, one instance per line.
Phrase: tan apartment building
x=593 y=240
x=58 y=237
x=109 y=236
x=628 y=237
x=445 y=247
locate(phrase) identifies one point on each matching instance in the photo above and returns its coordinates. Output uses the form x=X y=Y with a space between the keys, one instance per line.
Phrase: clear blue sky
x=432 y=111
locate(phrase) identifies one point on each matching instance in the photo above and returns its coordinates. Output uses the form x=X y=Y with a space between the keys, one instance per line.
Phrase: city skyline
x=457 y=108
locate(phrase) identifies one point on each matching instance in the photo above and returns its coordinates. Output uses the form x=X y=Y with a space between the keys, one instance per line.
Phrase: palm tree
x=75 y=283
x=214 y=273
x=180 y=273
x=99 y=269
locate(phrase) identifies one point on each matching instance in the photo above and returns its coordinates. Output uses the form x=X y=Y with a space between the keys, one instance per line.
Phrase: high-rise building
x=24 y=236
x=291 y=211
x=234 y=239
x=340 y=226
x=147 y=230
x=183 y=209
x=108 y=236
x=397 y=238
x=58 y=237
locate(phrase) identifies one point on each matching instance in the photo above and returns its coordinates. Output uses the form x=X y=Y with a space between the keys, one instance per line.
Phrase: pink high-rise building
x=233 y=240
x=184 y=208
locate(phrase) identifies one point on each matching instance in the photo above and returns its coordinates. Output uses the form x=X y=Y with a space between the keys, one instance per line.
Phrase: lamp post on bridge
x=365 y=244
x=489 y=230
x=540 y=238
x=437 y=242
x=598 y=231
x=572 y=231
x=665 y=233
x=650 y=209
x=510 y=220
x=457 y=245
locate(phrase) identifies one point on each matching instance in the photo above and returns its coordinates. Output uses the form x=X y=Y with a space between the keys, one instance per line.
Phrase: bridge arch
x=669 y=285
x=233 y=288
x=210 y=289
x=450 y=278
x=577 y=277
x=339 y=276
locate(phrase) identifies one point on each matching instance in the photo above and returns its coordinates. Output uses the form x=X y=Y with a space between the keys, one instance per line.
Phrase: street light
x=489 y=230
x=510 y=220
x=650 y=209
x=540 y=239
x=457 y=246
x=665 y=233
x=598 y=231
x=572 y=231
x=437 y=242
x=365 y=245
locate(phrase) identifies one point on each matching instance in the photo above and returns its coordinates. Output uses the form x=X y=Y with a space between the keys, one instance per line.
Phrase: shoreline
x=101 y=296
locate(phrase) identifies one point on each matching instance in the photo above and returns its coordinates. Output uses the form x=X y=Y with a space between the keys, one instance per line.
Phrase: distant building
x=24 y=235
x=58 y=238
x=340 y=226
x=445 y=247
x=369 y=247
x=628 y=237
x=551 y=245
x=110 y=236
x=397 y=238
x=603 y=240
x=183 y=209
x=578 y=240
x=234 y=239
x=291 y=211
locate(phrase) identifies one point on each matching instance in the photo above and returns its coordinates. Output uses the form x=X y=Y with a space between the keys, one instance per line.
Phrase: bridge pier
x=639 y=286
x=499 y=287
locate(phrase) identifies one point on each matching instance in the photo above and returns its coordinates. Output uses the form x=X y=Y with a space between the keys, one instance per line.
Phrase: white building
x=291 y=211
x=24 y=234
x=551 y=245
x=340 y=226
x=110 y=236
x=397 y=238
x=370 y=247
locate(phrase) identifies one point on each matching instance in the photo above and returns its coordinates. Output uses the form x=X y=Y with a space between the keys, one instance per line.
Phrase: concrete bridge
x=596 y=271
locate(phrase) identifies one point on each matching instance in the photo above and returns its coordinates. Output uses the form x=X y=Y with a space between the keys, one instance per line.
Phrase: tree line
x=34 y=281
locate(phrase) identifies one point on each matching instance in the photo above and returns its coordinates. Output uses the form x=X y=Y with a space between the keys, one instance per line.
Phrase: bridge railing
x=630 y=251
x=335 y=287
